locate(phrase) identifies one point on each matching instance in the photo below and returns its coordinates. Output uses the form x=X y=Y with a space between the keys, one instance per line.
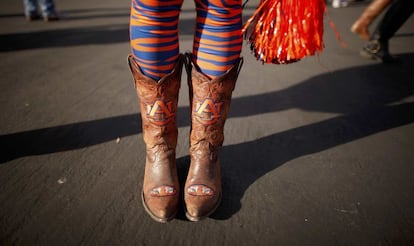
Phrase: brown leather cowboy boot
x=360 y=26
x=158 y=103
x=210 y=102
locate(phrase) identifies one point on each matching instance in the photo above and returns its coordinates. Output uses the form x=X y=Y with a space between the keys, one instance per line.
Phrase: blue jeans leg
x=30 y=7
x=48 y=7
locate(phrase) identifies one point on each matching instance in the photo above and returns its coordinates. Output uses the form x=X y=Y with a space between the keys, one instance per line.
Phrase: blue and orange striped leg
x=156 y=67
x=154 y=35
x=212 y=69
x=218 y=37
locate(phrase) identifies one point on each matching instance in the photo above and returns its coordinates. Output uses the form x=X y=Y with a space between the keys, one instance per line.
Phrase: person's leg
x=212 y=72
x=30 y=9
x=48 y=10
x=156 y=67
x=339 y=3
x=218 y=38
x=154 y=35
x=369 y=14
x=394 y=18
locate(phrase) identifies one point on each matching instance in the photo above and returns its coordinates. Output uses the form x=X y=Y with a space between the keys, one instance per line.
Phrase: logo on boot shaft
x=160 y=112
x=208 y=112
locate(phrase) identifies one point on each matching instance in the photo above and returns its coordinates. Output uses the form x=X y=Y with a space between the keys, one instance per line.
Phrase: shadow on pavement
x=104 y=34
x=66 y=37
x=368 y=99
x=354 y=90
x=244 y=163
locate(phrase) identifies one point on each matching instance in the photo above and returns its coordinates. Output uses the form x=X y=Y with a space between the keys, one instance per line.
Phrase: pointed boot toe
x=199 y=207
x=160 y=209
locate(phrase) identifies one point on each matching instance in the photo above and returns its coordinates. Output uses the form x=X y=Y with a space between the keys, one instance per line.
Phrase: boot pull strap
x=187 y=62
x=239 y=66
x=132 y=66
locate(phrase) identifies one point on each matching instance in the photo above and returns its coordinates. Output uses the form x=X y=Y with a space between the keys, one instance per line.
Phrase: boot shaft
x=209 y=102
x=158 y=103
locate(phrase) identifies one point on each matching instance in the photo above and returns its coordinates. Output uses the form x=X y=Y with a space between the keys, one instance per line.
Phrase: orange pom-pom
x=285 y=31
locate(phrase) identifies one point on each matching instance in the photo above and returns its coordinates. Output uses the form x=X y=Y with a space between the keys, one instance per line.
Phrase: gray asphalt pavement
x=320 y=152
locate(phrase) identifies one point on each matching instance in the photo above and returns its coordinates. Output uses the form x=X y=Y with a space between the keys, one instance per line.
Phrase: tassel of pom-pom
x=285 y=31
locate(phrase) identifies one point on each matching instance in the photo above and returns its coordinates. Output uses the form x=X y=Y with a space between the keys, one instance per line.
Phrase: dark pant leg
x=394 y=18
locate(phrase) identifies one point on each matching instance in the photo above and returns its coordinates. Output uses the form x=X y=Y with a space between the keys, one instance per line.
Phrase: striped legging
x=154 y=35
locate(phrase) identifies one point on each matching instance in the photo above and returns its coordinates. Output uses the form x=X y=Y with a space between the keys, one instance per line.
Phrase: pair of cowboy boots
x=210 y=102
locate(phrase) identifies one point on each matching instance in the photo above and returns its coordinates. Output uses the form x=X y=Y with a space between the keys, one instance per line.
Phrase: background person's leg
x=30 y=9
x=394 y=18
